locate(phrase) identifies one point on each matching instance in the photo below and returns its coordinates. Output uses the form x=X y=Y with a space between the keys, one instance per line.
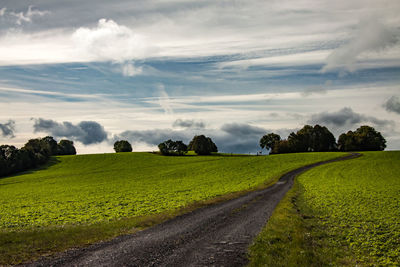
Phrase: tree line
x=200 y=144
x=34 y=153
x=308 y=139
x=319 y=139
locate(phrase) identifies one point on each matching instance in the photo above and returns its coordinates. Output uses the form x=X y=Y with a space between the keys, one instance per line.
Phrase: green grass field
x=86 y=198
x=344 y=213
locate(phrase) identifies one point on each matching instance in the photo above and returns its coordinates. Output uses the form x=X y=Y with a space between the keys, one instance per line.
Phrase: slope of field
x=92 y=188
x=344 y=213
x=87 y=198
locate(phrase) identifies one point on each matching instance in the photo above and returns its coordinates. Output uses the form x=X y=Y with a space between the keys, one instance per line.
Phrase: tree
x=369 y=139
x=122 y=146
x=51 y=144
x=213 y=146
x=170 y=147
x=268 y=141
x=322 y=139
x=39 y=151
x=66 y=147
x=365 y=138
x=281 y=147
x=35 y=152
x=309 y=138
x=202 y=145
x=180 y=147
x=347 y=142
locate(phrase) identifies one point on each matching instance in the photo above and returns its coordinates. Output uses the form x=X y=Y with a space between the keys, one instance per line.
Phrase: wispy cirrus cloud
x=23 y=17
x=370 y=36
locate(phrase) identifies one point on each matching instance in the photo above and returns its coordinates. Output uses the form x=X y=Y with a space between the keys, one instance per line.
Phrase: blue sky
x=147 y=71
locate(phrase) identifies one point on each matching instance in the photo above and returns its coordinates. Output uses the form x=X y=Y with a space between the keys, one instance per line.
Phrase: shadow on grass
x=52 y=161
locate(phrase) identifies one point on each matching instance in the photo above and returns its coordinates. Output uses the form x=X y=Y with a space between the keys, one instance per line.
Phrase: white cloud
x=110 y=41
x=192 y=29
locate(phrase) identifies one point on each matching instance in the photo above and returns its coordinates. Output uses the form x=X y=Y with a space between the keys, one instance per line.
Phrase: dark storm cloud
x=242 y=129
x=7 y=129
x=188 y=124
x=347 y=117
x=86 y=132
x=393 y=104
x=339 y=118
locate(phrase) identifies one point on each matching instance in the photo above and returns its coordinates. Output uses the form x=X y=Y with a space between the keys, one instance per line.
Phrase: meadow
x=81 y=199
x=343 y=213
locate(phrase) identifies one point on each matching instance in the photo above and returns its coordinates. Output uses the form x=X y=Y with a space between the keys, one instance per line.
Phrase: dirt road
x=217 y=235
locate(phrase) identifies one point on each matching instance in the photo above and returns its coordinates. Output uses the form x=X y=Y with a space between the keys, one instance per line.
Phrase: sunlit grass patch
x=109 y=192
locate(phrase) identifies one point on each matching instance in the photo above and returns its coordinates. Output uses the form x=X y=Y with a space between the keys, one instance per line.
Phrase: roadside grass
x=87 y=198
x=340 y=214
x=285 y=240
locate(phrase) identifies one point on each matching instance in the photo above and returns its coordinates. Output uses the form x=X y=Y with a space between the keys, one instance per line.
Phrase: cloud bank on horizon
x=93 y=71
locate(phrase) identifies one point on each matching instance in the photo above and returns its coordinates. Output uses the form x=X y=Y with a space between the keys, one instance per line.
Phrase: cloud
x=25 y=16
x=347 y=117
x=3 y=11
x=7 y=129
x=392 y=104
x=164 y=100
x=86 y=132
x=242 y=129
x=339 y=118
x=154 y=137
x=317 y=89
x=371 y=35
x=110 y=41
x=129 y=70
x=188 y=124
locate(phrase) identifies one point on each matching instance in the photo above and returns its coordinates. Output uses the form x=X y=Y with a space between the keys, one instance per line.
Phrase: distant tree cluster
x=319 y=138
x=122 y=146
x=200 y=144
x=170 y=147
x=34 y=153
x=364 y=138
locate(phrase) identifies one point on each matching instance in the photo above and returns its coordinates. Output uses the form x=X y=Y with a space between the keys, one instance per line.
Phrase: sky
x=146 y=71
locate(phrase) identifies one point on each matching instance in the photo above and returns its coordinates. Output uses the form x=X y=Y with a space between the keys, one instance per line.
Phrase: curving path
x=217 y=235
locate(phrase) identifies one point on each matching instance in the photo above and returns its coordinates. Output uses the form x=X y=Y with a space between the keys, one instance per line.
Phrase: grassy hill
x=85 y=198
x=343 y=213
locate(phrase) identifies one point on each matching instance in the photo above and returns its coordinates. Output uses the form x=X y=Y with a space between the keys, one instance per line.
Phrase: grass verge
x=285 y=240
x=340 y=214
